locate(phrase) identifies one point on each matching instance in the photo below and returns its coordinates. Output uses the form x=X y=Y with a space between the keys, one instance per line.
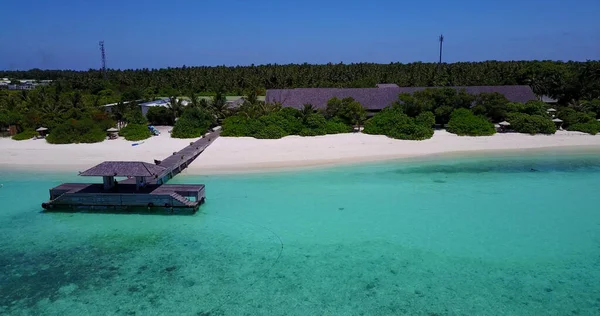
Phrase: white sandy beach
x=232 y=155
x=40 y=155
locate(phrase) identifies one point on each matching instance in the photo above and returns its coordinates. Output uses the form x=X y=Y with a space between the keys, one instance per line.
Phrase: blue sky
x=64 y=34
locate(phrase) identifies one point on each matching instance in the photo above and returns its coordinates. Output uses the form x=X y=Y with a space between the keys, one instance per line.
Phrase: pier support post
x=108 y=182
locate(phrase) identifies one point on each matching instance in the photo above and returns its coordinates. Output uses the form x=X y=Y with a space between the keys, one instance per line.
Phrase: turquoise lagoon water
x=477 y=236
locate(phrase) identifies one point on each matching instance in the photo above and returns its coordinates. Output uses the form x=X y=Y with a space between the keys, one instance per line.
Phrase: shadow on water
x=107 y=270
x=505 y=166
x=30 y=277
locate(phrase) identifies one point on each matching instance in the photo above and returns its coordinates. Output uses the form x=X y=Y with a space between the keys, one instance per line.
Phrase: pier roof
x=124 y=169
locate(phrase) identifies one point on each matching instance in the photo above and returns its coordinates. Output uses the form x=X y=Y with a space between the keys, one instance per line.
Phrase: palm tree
x=175 y=106
x=307 y=110
x=219 y=107
x=193 y=99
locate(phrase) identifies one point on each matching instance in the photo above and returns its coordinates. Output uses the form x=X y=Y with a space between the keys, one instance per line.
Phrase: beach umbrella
x=557 y=120
x=504 y=123
x=41 y=129
x=112 y=130
x=550 y=110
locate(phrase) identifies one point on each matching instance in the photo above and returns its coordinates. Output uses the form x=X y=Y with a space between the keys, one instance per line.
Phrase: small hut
x=112 y=133
x=558 y=123
x=504 y=126
x=108 y=170
x=42 y=130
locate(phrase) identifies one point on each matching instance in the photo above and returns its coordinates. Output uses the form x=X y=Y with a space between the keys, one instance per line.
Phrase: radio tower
x=103 y=54
x=441 y=44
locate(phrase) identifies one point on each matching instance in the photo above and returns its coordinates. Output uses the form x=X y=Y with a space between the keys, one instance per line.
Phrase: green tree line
x=562 y=80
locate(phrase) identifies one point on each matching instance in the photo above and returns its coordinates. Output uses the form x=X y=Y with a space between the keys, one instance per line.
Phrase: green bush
x=347 y=110
x=312 y=132
x=194 y=122
x=442 y=114
x=74 y=131
x=336 y=127
x=572 y=117
x=288 y=123
x=392 y=122
x=464 y=123
x=592 y=127
x=425 y=119
x=291 y=112
x=315 y=121
x=26 y=134
x=135 y=116
x=531 y=124
x=236 y=126
x=271 y=132
x=105 y=124
x=160 y=115
x=135 y=132
x=282 y=123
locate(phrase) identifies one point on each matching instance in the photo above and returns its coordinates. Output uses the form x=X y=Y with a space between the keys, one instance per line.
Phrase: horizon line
x=305 y=63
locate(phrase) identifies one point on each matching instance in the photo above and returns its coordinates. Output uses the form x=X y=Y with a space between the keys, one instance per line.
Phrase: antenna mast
x=441 y=44
x=103 y=55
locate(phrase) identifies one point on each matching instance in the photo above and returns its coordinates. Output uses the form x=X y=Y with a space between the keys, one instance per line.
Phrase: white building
x=164 y=102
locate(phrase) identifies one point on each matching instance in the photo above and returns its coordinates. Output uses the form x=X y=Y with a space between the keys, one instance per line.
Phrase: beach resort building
x=375 y=99
x=145 y=106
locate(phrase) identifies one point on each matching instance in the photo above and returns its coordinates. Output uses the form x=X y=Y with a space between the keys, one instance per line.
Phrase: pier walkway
x=145 y=187
x=175 y=163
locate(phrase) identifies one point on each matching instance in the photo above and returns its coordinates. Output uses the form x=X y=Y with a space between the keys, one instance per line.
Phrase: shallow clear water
x=477 y=236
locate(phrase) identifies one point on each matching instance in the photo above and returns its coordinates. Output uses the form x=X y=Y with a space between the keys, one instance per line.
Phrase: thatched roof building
x=374 y=99
x=124 y=169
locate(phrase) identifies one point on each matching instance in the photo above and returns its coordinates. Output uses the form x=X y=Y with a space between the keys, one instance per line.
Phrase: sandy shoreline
x=246 y=155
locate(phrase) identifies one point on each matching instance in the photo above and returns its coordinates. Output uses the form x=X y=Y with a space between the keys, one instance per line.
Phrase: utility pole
x=441 y=45
x=103 y=56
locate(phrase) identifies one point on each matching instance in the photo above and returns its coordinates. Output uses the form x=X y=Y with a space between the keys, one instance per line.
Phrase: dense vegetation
x=394 y=123
x=26 y=134
x=159 y=115
x=194 y=122
x=78 y=96
x=272 y=121
x=464 y=122
x=135 y=132
x=563 y=80
x=531 y=124
x=78 y=131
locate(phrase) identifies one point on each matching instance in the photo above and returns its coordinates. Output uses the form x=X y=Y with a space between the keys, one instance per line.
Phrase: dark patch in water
x=29 y=277
x=170 y=269
x=548 y=164
x=341 y=208
x=439 y=181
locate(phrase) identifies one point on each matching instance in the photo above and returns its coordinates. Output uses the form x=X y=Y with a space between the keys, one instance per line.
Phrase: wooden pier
x=145 y=187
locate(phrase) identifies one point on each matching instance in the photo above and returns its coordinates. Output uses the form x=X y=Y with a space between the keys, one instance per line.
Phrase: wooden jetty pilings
x=145 y=187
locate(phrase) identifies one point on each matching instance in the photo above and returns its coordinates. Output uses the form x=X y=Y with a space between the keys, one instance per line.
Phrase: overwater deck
x=145 y=188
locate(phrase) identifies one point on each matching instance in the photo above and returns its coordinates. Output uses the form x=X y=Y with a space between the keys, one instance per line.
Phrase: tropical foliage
x=135 y=132
x=77 y=131
x=159 y=115
x=464 y=123
x=79 y=96
x=194 y=122
x=531 y=124
x=272 y=121
x=563 y=80
x=394 y=123
x=25 y=135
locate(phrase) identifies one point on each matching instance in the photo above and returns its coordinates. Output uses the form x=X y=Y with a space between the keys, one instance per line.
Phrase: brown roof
x=124 y=169
x=381 y=97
